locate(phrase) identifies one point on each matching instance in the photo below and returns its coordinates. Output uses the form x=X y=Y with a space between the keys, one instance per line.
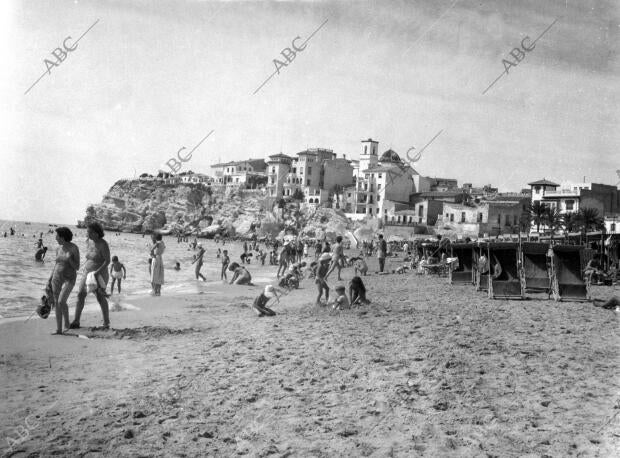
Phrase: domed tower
x=368 y=155
x=390 y=157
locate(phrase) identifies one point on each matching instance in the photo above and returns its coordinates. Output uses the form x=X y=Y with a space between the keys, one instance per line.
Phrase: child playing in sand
x=357 y=292
x=225 y=262
x=359 y=265
x=241 y=276
x=117 y=272
x=260 y=303
x=321 y=272
x=342 y=302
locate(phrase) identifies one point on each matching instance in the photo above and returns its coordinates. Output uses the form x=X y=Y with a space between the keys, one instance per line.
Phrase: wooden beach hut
x=568 y=284
x=464 y=273
x=506 y=277
x=536 y=267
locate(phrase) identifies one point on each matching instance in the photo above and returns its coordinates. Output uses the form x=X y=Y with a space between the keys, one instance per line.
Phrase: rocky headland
x=194 y=208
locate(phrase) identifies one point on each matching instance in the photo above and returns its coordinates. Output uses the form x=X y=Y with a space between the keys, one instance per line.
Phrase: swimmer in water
x=40 y=254
x=117 y=272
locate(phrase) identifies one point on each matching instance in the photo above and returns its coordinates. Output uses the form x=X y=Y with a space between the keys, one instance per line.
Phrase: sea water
x=23 y=280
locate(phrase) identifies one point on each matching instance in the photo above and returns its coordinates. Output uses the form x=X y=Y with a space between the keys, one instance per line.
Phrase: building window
x=570 y=205
x=515 y=220
x=612 y=227
x=421 y=210
x=378 y=186
x=462 y=217
x=499 y=219
x=348 y=194
x=377 y=211
x=507 y=220
x=379 y=176
x=385 y=211
x=294 y=169
x=479 y=217
x=378 y=198
x=308 y=183
x=309 y=169
x=451 y=217
x=447 y=215
x=365 y=149
x=273 y=170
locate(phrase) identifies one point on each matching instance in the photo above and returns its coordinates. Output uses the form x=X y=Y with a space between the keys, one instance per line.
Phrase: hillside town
x=387 y=188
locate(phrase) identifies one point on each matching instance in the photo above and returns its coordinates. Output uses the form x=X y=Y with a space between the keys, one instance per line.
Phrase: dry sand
x=427 y=369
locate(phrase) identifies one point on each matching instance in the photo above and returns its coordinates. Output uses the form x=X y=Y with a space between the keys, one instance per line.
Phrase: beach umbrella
x=363 y=233
x=352 y=239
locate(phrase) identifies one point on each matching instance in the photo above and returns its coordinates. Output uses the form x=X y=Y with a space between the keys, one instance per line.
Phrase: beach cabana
x=506 y=282
x=568 y=283
x=536 y=267
x=464 y=273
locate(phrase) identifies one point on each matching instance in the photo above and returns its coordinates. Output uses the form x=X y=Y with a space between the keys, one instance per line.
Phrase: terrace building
x=239 y=173
x=569 y=197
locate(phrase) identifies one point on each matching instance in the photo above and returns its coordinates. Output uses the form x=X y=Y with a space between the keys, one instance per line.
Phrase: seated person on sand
x=612 y=303
x=593 y=270
x=357 y=292
x=240 y=275
x=341 y=302
x=260 y=303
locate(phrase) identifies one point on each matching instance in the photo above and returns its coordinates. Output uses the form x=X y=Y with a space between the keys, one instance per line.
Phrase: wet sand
x=427 y=369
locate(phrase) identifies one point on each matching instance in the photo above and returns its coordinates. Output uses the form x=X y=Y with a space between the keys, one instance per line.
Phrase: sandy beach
x=427 y=369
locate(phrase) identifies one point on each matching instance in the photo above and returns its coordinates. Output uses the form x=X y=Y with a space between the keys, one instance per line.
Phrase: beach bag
x=92 y=283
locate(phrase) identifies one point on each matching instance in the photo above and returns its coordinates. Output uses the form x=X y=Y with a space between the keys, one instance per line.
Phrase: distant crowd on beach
x=296 y=259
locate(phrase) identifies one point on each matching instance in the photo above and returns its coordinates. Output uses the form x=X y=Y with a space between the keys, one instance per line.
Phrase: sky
x=151 y=77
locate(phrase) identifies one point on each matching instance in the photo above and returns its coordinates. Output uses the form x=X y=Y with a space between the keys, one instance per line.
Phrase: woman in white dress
x=157 y=266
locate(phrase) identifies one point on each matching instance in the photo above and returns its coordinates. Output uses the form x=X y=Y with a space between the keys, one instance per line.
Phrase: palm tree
x=571 y=222
x=553 y=219
x=525 y=222
x=537 y=212
x=590 y=219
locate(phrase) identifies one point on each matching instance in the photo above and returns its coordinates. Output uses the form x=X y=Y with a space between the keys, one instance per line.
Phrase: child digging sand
x=342 y=302
x=260 y=303
x=321 y=272
x=357 y=292
x=117 y=272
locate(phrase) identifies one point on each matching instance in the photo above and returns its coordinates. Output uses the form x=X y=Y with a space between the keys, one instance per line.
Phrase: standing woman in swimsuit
x=64 y=275
x=97 y=261
x=157 y=268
